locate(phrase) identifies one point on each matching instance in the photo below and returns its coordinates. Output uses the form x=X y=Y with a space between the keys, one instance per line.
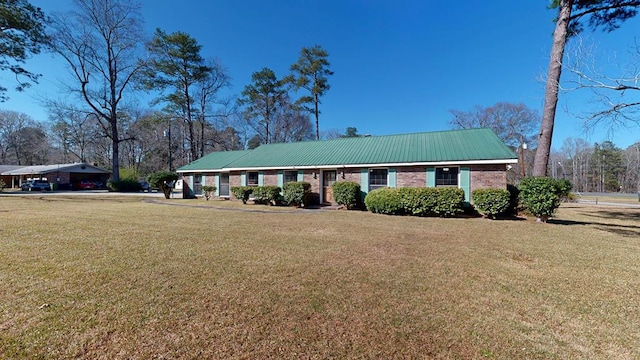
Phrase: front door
x=328 y=178
x=224 y=184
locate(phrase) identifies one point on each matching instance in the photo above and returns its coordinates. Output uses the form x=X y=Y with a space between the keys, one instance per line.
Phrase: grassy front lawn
x=117 y=277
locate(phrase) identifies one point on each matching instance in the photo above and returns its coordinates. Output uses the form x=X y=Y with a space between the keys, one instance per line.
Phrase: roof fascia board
x=311 y=167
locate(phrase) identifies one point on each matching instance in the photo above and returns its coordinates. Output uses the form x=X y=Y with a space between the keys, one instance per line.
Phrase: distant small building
x=467 y=159
x=62 y=176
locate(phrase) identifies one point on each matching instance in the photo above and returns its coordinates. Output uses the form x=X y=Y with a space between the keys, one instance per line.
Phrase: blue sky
x=400 y=66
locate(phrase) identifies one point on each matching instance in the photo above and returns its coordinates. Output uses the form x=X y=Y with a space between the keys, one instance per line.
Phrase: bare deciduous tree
x=22 y=140
x=101 y=41
x=617 y=96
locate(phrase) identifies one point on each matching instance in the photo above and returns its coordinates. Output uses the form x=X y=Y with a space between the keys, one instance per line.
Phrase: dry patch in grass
x=123 y=278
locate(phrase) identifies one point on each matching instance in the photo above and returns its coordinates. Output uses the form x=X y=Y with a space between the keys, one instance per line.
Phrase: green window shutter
x=392 y=178
x=431 y=177
x=364 y=182
x=243 y=178
x=216 y=183
x=204 y=180
x=260 y=178
x=465 y=183
x=191 y=185
x=300 y=175
x=280 y=179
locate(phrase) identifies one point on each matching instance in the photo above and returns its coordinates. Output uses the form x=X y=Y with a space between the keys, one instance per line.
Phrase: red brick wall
x=482 y=176
x=488 y=176
x=415 y=176
x=209 y=179
x=270 y=178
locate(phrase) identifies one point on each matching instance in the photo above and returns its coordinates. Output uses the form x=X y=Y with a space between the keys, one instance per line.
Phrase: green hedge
x=242 y=192
x=266 y=194
x=541 y=195
x=416 y=201
x=297 y=193
x=346 y=193
x=491 y=202
x=449 y=202
x=384 y=201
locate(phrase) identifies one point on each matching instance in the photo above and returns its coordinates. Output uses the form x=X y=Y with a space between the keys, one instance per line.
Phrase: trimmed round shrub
x=297 y=193
x=491 y=202
x=242 y=192
x=162 y=180
x=541 y=196
x=346 y=193
x=266 y=194
x=208 y=191
x=384 y=201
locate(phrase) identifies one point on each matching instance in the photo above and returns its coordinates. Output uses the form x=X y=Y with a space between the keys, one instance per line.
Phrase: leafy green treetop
x=311 y=73
x=22 y=33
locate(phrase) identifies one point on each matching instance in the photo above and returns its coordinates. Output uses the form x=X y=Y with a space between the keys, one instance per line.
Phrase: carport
x=61 y=176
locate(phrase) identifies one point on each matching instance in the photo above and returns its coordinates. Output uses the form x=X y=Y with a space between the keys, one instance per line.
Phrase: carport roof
x=46 y=169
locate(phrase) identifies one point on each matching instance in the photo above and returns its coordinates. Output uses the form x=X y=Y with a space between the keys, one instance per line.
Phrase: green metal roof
x=214 y=161
x=429 y=147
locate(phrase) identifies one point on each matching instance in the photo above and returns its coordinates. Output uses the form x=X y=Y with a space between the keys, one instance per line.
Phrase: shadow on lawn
x=624 y=230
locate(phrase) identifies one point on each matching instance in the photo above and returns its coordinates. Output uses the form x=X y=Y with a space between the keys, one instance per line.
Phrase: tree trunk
x=551 y=90
x=115 y=161
x=317 y=113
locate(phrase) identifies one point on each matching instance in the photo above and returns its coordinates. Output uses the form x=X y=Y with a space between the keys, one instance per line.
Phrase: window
x=252 y=178
x=447 y=176
x=290 y=176
x=378 y=178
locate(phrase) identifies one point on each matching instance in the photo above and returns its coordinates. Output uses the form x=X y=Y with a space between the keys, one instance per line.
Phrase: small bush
x=541 y=196
x=208 y=191
x=491 y=202
x=2 y=185
x=297 y=193
x=346 y=193
x=163 y=180
x=384 y=201
x=242 y=192
x=266 y=194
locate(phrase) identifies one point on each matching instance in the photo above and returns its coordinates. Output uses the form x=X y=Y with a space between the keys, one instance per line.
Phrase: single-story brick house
x=63 y=176
x=468 y=159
